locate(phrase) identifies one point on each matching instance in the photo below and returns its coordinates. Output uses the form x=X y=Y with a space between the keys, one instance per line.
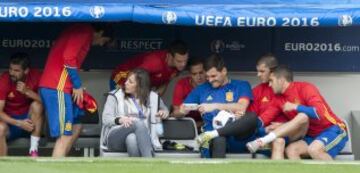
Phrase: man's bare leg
x=76 y=133
x=61 y=146
x=317 y=151
x=36 y=116
x=296 y=149
x=3 y=132
x=278 y=149
x=294 y=128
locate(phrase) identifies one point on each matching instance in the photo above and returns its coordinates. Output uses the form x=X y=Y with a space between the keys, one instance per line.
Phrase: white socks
x=34 y=143
x=268 y=138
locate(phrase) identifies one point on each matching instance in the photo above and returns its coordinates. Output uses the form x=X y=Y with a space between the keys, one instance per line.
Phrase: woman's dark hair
x=143 y=85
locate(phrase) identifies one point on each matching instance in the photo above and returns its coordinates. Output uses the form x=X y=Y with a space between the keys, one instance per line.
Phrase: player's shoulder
x=239 y=83
x=303 y=84
x=203 y=87
x=4 y=75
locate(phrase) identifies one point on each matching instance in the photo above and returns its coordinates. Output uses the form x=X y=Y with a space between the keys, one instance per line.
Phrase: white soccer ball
x=222 y=118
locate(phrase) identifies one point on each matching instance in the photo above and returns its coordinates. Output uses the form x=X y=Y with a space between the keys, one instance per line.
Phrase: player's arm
x=270 y=114
x=4 y=116
x=177 y=100
x=24 y=124
x=72 y=49
x=176 y=112
x=192 y=98
x=23 y=89
x=238 y=107
x=161 y=89
x=314 y=107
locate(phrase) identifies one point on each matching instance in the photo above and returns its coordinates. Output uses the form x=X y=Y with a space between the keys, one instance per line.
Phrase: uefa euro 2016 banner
x=304 y=49
x=207 y=13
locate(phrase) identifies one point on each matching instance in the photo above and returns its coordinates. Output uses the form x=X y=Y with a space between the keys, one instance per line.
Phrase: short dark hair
x=269 y=60
x=143 y=87
x=193 y=61
x=21 y=59
x=283 y=71
x=214 y=61
x=106 y=27
x=178 y=46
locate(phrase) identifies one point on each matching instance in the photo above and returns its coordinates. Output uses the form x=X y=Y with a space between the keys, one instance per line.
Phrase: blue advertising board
x=207 y=13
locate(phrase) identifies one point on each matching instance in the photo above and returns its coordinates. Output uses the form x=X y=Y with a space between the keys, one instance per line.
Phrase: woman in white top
x=130 y=116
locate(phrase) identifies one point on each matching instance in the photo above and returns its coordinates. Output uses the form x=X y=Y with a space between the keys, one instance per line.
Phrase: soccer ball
x=222 y=118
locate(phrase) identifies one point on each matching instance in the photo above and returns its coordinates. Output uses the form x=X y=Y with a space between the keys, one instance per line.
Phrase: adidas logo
x=264 y=99
x=325 y=139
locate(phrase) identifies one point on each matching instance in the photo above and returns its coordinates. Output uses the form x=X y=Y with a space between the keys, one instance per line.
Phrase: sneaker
x=34 y=153
x=203 y=139
x=253 y=146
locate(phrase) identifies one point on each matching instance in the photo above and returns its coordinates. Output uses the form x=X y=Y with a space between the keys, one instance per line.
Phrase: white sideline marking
x=64 y=160
x=199 y=162
x=330 y=163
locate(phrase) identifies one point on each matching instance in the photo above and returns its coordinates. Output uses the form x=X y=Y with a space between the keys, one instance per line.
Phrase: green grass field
x=102 y=165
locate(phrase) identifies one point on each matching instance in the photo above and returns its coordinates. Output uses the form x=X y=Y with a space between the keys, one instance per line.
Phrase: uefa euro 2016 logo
x=97 y=12
x=169 y=17
x=345 y=20
x=217 y=46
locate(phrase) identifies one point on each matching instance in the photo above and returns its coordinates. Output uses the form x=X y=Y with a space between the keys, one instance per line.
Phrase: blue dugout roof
x=209 y=13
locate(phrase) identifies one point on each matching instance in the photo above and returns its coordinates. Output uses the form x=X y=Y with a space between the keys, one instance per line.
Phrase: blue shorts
x=59 y=111
x=334 y=138
x=15 y=131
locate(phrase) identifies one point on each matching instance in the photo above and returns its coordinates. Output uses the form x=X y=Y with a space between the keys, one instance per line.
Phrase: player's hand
x=272 y=126
x=26 y=124
x=288 y=106
x=183 y=109
x=162 y=114
x=126 y=121
x=78 y=95
x=21 y=87
x=239 y=114
x=204 y=108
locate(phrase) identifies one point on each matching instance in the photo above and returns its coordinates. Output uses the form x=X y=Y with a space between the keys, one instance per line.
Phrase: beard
x=14 y=78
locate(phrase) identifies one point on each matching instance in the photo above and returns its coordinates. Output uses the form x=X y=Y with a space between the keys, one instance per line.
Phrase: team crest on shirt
x=11 y=95
x=229 y=96
x=68 y=126
x=209 y=98
x=265 y=99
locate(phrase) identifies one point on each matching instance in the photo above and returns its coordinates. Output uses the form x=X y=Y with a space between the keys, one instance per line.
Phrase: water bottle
x=159 y=127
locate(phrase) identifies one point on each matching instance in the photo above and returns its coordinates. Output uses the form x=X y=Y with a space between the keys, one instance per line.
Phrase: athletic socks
x=34 y=143
x=268 y=138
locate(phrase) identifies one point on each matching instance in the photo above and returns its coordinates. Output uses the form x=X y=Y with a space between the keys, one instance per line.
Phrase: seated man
x=162 y=65
x=263 y=96
x=20 y=104
x=309 y=115
x=220 y=93
x=184 y=86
